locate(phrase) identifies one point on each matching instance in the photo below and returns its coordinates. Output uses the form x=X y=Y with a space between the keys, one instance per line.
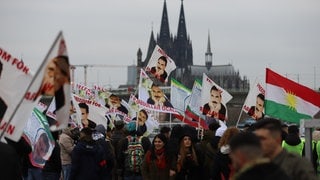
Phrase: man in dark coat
x=9 y=163
x=248 y=161
x=85 y=158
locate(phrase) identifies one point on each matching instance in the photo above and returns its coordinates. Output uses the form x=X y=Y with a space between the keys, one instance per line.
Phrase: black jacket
x=265 y=171
x=84 y=162
x=53 y=164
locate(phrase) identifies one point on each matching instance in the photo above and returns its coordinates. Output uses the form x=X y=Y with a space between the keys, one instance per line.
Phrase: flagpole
x=44 y=62
x=170 y=121
x=239 y=116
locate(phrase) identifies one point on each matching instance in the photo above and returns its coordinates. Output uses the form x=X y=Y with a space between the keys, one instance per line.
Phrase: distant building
x=131 y=75
x=179 y=48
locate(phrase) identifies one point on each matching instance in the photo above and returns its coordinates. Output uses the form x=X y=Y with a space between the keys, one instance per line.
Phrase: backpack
x=134 y=154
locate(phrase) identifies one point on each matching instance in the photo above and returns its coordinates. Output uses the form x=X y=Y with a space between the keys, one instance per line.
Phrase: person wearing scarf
x=156 y=165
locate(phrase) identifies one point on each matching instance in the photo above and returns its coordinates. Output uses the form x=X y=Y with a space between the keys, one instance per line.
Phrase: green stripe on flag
x=180 y=85
x=284 y=112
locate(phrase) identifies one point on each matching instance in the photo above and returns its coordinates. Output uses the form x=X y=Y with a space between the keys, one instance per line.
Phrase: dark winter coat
x=221 y=164
x=190 y=170
x=296 y=167
x=263 y=171
x=53 y=164
x=9 y=162
x=84 y=162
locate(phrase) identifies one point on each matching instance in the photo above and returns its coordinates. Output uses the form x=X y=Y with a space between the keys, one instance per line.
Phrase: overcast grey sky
x=250 y=34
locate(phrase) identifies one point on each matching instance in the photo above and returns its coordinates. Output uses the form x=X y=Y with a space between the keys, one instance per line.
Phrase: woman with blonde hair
x=221 y=161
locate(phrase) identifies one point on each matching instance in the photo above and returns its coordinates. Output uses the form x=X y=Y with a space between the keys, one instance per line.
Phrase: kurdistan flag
x=288 y=100
x=180 y=96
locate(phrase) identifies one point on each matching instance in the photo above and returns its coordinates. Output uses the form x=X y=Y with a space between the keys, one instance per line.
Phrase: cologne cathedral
x=179 y=48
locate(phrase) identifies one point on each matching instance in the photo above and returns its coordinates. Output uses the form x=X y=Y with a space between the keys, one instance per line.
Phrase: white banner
x=213 y=99
x=160 y=64
x=51 y=79
x=15 y=77
x=254 y=103
x=97 y=111
x=152 y=97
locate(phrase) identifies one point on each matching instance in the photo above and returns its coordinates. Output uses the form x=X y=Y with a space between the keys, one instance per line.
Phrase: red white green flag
x=288 y=100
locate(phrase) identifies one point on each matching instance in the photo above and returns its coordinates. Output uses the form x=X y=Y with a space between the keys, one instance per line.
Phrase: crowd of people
x=267 y=150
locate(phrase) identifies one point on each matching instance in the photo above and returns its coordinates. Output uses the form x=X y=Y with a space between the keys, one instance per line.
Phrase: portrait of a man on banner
x=160 y=65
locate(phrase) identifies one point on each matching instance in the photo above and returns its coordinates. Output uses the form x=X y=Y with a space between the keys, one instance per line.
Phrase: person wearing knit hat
x=101 y=129
x=84 y=157
x=104 y=147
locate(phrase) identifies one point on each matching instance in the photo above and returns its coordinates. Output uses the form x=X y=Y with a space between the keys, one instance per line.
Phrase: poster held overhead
x=160 y=65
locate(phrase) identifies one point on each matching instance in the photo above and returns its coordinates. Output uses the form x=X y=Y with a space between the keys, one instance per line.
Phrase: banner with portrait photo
x=117 y=108
x=84 y=91
x=38 y=135
x=160 y=65
x=152 y=97
x=51 y=79
x=15 y=77
x=213 y=99
x=151 y=122
x=100 y=94
x=97 y=111
x=254 y=103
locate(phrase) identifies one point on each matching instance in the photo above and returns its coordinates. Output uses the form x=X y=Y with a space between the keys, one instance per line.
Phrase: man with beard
x=157 y=97
x=256 y=112
x=159 y=70
x=114 y=102
x=214 y=108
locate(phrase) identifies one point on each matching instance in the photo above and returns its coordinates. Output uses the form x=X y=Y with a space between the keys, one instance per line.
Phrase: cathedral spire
x=164 y=29
x=182 y=43
x=208 y=54
x=182 y=30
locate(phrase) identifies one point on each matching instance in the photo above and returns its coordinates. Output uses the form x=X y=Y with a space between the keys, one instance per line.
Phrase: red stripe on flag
x=290 y=86
x=190 y=114
x=186 y=120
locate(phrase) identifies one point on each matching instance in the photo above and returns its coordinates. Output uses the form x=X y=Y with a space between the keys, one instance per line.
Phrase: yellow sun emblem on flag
x=291 y=100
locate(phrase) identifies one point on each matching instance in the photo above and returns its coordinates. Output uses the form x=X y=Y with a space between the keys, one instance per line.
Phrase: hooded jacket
x=84 y=162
